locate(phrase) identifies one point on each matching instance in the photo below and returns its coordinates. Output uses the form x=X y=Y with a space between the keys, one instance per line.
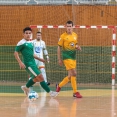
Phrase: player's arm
x=59 y=56
x=40 y=59
x=46 y=52
x=21 y=64
x=60 y=44
x=18 y=48
x=59 y=52
x=77 y=46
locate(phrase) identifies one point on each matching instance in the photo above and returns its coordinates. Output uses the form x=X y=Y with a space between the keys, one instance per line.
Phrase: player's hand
x=48 y=60
x=60 y=62
x=38 y=58
x=22 y=66
x=42 y=60
x=78 y=48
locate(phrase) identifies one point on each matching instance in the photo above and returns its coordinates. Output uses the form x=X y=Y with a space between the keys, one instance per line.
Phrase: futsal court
x=95 y=102
x=95 y=22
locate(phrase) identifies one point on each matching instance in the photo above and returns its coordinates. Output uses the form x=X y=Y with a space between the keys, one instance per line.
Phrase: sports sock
x=31 y=88
x=43 y=73
x=45 y=86
x=30 y=83
x=64 y=82
x=73 y=83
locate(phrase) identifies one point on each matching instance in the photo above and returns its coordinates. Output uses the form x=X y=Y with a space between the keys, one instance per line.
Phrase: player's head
x=38 y=35
x=27 y=31
x=69 y=26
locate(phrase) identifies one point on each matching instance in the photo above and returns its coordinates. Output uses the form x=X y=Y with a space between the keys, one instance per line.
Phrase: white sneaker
x=25 y=89
x=53 y=93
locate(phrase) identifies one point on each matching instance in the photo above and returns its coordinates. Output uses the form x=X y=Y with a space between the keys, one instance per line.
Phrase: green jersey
x=26 y=49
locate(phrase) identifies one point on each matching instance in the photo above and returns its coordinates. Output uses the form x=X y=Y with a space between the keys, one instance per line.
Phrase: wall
x=14 y=18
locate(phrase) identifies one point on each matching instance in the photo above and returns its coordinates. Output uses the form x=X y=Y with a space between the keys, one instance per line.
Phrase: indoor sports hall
x=95 y=23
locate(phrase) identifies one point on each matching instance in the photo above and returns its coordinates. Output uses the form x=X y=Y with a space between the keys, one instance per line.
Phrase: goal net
x=94 y=62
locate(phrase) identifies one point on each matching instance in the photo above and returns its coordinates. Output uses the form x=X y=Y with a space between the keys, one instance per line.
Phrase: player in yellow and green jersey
x=68 y=44
x=25 y=47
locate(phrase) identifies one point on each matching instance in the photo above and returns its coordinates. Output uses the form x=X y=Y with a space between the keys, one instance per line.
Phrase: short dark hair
x=69 y=22
x=27 y=28
x=39 y=32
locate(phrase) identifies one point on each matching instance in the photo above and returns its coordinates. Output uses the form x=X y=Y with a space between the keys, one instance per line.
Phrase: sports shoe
x=25 y=89
x=53 y=94
x=57 y=88
x=77 y=95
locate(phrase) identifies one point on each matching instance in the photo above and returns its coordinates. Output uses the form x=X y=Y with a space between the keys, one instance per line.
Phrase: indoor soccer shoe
x=77 y=95
x=25 y=89
x=57 y=88
x=53 y=94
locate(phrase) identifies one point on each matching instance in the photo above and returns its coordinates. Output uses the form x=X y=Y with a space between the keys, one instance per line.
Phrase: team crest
x=72 y=44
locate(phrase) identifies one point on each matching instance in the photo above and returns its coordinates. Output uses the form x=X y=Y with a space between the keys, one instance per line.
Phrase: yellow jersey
x=68 y=43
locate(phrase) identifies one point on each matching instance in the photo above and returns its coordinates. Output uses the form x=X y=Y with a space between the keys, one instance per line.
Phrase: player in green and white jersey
x=25 y=47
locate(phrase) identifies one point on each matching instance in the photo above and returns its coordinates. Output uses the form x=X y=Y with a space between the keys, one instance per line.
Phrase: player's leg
x=73 y=79
x=25 y=88
x=30 y=82
x=42 y=69
x=38 y=77
x=66 y=79
x=62 y=83
x=43 y=84
x=31 y=87
x=41 y=66
x=74 y=83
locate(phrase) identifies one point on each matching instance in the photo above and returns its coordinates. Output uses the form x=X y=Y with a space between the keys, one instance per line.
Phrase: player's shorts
x=39 y=64
x=33 y=71
x=69 y=64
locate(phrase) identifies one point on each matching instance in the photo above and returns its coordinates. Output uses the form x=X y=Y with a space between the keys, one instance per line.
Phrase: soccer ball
x=33 y=95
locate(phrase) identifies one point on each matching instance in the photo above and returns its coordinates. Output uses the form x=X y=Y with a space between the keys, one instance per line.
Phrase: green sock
x=30 y=83
x=45 y=86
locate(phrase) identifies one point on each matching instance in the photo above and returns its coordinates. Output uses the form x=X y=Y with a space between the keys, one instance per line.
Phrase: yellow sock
x=73 y=83
x=64 y=82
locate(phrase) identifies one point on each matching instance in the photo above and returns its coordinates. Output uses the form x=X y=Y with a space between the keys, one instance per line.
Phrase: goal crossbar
x=76 y=26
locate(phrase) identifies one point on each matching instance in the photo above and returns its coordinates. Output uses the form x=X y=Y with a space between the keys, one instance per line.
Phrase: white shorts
x=39 y=64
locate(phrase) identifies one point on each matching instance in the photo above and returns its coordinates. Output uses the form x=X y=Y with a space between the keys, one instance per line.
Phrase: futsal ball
x=33 y=95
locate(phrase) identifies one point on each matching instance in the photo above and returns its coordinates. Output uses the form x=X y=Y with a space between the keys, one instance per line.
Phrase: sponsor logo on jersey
x=37 y=49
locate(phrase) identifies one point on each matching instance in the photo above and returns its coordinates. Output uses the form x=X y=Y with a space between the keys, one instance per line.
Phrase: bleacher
x=92 y=1
x=12 y=2
x=52 y=1
x=55 y=2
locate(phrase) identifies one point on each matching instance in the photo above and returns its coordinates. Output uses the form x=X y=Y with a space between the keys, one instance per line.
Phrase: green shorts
x=33 y=71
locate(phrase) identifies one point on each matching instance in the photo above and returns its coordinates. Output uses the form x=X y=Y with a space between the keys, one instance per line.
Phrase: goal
x=96 y=62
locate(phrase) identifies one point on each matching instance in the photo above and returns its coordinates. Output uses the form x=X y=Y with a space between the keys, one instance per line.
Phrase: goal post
x=113 y=44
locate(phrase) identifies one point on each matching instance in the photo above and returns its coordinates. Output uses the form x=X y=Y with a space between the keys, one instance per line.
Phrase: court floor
x=95 y=103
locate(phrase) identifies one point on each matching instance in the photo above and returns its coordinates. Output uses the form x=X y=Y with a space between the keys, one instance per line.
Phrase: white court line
x=113 y=102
